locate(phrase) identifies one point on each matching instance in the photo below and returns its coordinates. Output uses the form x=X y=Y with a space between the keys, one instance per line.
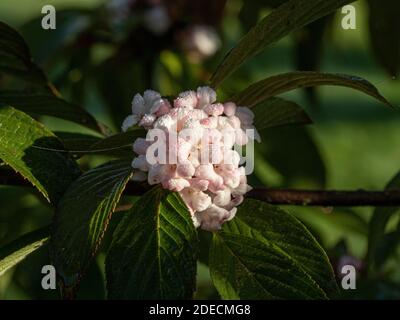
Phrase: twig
x=325 y=198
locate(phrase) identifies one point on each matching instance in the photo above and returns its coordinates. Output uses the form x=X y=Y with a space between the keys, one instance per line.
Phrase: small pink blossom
x=187 y=99
x=214 y=109
x=140 y=146
x=202 y=165
x=205 y=96
x=144 y=109
x=229 y=109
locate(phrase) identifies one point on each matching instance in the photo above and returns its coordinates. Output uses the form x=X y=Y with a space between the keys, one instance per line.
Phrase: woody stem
x=277 y=196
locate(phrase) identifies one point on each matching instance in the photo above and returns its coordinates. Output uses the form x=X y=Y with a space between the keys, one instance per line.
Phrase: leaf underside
x=16 y=251
x=275 y=85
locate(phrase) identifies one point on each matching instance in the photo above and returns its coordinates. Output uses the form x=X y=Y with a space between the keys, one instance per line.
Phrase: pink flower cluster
x=206 y=169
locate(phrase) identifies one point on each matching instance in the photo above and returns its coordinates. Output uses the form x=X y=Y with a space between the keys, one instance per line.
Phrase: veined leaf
x=275 y=112
x=378 y=222
x=288 y=17
x=153 y=253
x=36 y=153
x=17 y=250
x=15 y=57
x=275 y=85
x=46 y=104
x=82 y=217
x=265 y=253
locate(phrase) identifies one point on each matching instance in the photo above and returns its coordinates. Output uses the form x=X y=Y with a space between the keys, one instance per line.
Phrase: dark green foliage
x=82 y=216
x=265 y=253
x=27 y=146
x=147 y=240
x=153 y=253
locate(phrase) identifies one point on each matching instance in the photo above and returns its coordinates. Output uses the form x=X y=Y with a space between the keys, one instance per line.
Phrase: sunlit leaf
x=36 y=153
x=46 y=104
x=17 y=250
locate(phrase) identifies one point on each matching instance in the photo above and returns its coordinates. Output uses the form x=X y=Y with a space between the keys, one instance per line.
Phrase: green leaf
x=384 y=29
x=294 y=153
x=272 y=86
x=17 y=250
x=275 y=112
x=46 y=104
x=76 y=143
x=378 y=222
x=82 y=217
x=118 y=144
x=154 y=248
x=265 y=253
x=288 y=17
x=15 y=57
x=36 y=153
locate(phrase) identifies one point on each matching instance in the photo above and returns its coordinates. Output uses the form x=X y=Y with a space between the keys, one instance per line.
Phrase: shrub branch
x=277 y=196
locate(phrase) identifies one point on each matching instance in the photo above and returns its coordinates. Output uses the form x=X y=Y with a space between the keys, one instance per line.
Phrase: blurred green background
x=103 y=52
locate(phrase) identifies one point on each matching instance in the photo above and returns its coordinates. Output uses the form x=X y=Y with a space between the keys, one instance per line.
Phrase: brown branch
x=328 y=198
